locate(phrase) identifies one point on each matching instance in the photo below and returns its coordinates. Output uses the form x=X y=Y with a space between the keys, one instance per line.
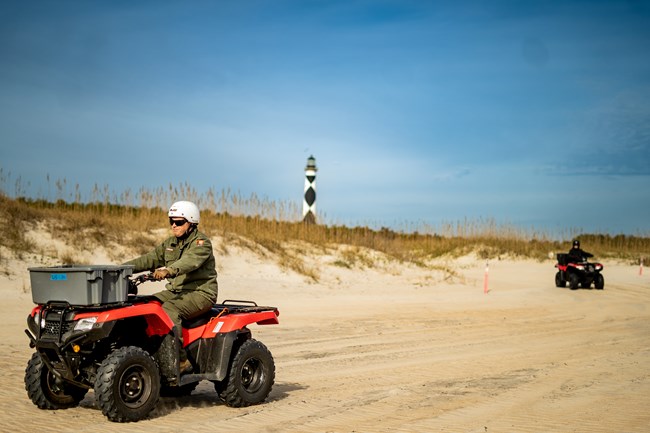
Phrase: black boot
x=184 y=364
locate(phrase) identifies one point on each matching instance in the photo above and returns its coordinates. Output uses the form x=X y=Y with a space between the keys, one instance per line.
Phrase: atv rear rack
x=233 y=306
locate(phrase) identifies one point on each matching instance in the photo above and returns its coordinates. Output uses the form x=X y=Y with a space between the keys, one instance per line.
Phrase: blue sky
x=535 y=114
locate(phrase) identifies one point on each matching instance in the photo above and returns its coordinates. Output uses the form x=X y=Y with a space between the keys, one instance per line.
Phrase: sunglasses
x=177 y=222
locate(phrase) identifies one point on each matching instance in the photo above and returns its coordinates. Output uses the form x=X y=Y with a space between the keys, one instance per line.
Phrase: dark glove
x=162 y=273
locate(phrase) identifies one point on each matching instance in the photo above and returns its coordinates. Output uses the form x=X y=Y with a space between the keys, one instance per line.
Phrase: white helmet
x=185 y=209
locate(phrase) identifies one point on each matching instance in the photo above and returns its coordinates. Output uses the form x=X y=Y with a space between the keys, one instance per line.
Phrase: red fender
x=158 y=321
x=233 y=322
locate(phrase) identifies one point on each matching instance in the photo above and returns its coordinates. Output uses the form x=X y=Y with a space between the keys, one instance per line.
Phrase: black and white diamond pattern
x=309 y=202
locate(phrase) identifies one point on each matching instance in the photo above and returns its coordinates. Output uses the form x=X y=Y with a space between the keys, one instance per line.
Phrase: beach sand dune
x=397 y=348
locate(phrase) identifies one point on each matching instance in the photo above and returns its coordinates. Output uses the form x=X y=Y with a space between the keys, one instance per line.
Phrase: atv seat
x=203 y=318
x=563 y=259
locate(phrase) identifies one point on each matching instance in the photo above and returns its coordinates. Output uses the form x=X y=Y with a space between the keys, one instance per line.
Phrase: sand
x=397 y=348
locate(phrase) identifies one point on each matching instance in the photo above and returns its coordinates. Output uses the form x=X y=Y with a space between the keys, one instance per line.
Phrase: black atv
x=578 y=273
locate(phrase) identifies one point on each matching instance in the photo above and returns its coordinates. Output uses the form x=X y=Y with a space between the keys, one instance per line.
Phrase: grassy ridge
x=266 y=226
x=101 y=222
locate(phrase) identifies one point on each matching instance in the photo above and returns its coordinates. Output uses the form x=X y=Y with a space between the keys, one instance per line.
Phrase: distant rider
x=576 y=255
x=187 y=261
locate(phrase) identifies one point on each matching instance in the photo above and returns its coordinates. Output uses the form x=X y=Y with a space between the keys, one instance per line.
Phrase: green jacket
x=190 y=262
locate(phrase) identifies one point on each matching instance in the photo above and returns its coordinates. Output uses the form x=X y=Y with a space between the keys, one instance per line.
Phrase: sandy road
x=372 y=351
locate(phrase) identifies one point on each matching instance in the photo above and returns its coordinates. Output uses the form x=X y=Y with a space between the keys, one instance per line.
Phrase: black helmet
x=576 y=244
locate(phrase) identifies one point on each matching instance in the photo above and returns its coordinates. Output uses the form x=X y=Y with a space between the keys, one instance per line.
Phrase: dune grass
x=269 y=227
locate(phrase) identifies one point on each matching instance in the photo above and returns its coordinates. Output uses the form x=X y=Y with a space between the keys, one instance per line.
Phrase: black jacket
x=577 y=255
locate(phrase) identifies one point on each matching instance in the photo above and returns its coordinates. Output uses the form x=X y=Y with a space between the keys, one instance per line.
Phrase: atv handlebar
x=144 y=277
x=134 y=282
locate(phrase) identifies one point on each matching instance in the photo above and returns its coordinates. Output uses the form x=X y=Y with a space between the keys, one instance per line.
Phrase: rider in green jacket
x=187 y=261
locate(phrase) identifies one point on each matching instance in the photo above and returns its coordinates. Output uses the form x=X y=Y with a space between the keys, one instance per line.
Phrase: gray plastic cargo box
x=80 y=285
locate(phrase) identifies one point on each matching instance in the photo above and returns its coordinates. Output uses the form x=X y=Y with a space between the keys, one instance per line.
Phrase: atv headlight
x=37 y=319
x=85 y=324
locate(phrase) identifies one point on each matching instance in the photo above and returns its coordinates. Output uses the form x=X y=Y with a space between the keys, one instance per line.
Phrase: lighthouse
x=309 y=202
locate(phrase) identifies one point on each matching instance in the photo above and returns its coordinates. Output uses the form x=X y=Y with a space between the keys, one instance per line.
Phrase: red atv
x=91 y=330
x=583 y=273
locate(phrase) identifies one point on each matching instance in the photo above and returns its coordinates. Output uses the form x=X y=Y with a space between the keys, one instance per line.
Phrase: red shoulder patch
x=200 y=242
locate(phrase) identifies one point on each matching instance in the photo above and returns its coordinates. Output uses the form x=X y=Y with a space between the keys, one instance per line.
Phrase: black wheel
x=559 y=282
x=599 y=282
x=46 y=391
x=574 y=281
x=250 y=376
x=127 y=386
